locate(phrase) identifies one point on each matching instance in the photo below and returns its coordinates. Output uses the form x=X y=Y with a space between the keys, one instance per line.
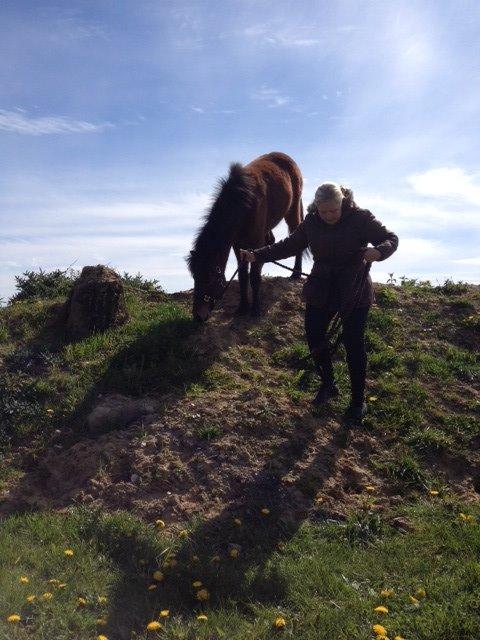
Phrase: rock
x=96 y=302
x=116 y=412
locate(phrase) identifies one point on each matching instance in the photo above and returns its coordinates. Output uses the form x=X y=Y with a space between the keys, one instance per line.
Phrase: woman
x=337 y=232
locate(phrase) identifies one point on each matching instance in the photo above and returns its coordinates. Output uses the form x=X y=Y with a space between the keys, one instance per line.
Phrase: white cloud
x=17 y=122
x=474 y=261
x=447 y=182
x=271 y=97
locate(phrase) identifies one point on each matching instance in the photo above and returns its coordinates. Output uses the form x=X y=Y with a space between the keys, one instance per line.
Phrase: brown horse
x=247 y=206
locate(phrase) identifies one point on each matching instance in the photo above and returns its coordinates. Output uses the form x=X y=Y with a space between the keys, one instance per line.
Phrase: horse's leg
x=255 y=282
x=244 y=306
x=293 y=218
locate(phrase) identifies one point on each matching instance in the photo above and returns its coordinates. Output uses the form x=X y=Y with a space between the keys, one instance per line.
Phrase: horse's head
x=209 y=284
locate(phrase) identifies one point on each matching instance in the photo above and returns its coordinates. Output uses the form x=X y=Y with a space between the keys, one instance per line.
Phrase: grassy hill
x=277 y=508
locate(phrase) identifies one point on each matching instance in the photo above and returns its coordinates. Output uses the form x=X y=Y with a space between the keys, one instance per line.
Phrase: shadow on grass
x=247 y=579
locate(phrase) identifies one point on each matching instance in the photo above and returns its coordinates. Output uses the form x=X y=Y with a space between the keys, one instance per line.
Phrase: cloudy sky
x=118 y=117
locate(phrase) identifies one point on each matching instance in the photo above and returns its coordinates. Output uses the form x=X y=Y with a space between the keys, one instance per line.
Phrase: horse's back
x=268 y=161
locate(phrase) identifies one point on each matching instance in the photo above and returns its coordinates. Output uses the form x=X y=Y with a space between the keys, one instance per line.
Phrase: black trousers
x=316 y=325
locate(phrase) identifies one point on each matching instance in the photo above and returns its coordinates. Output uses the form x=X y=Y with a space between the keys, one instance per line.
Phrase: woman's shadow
x=244 y=528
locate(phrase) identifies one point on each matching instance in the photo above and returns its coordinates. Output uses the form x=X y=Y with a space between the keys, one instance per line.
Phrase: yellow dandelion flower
x=202 y=617
x=47 y=595
x=387 y=593
x=195 y=558
x=154 y=626
x=471 y=519
x=265 y=511
x=164 y=613
x=100 y=637
x=24 y=580
x=234 y=553
x=216 y=559
x=81 y=602
x=414 y=601
x=151 y=587
x=31 y=598
x=421 y=593
x=379 y=630
x=203 y=595
x=160 y=524
x=433 y=492
x=381 y=609
x=280 y=623
x=101 y=622
x=13 y=618
x=158 y=576
x=197 y=584
x=183 y=533
x=372 y=398
x=237 y=521
x=462 y=516
x=101 y=599
x=398 y=638
x=62 y=585
x=69 y=552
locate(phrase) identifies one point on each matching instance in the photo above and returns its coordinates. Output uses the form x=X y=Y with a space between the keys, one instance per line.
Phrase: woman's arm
x=289 y=246
x=384 y=240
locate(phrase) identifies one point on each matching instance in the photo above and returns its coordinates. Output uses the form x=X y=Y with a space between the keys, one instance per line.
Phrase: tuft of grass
x=429 y=439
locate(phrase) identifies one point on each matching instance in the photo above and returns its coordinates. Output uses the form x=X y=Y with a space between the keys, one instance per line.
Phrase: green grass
x=152 y=352
x=325 y=581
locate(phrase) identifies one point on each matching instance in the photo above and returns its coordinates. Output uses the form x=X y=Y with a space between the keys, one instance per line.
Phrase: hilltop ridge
x=230 y=419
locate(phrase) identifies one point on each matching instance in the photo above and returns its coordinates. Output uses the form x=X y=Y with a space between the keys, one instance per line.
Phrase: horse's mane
x=233 y=199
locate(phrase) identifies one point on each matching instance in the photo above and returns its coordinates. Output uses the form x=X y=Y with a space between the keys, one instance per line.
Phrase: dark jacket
x=337 y=250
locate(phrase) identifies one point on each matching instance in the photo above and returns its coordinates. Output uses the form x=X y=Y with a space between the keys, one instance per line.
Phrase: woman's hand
x=246 y=256
x=371 y=254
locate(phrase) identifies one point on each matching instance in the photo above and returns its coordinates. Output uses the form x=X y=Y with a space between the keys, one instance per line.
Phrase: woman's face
x=330 y=211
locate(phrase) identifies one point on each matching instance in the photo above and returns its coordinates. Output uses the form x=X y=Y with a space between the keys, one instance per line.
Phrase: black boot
x=355 y=413
x=325 y=392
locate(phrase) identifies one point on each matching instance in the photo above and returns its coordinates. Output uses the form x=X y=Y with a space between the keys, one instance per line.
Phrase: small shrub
x=43 y=285
x=387 y=297
x=139 y=282
x=451 y=288
x=4 y=335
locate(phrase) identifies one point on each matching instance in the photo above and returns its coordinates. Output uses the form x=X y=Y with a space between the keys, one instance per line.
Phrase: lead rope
x=331 y=340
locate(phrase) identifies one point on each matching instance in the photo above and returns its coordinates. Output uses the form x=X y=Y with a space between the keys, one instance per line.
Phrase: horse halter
x=219 y=281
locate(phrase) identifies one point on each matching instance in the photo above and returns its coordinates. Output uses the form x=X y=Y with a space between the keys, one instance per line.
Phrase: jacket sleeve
x=289 y=246
x=377 y=234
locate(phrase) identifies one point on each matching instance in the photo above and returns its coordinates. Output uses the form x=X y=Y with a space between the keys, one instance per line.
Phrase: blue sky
x=117 y=119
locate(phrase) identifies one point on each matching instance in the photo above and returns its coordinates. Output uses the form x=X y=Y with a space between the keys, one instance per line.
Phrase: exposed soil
x=286 y=456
